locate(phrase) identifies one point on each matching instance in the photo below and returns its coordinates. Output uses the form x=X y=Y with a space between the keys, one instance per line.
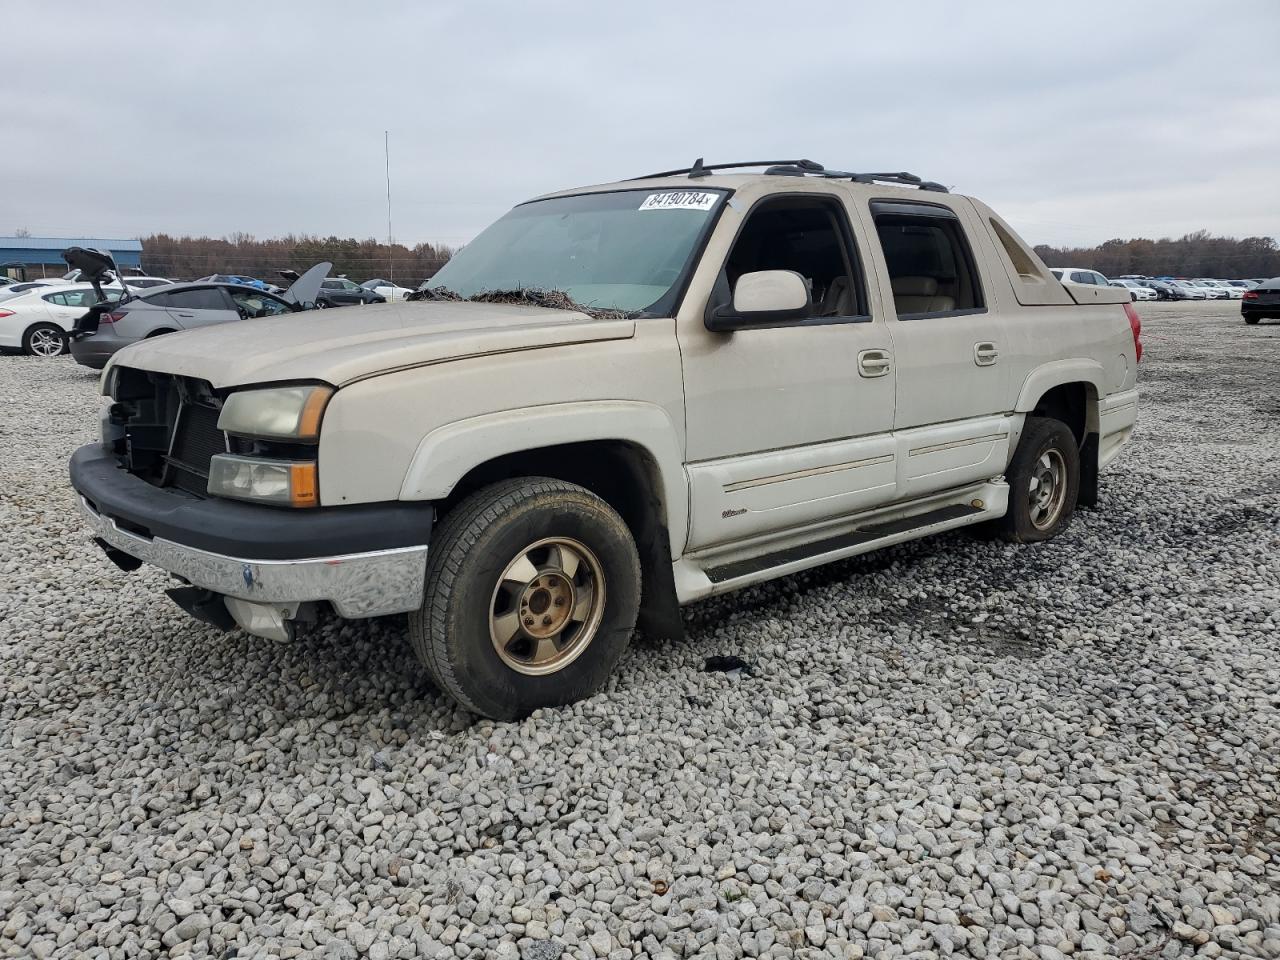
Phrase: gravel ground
x=949 y=748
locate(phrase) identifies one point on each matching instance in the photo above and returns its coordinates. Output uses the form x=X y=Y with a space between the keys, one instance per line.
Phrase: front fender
x=445 y=455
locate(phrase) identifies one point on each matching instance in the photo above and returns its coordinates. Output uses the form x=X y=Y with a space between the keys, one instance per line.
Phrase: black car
x=1164 y=291
x=1262 y=302
x=341 y=292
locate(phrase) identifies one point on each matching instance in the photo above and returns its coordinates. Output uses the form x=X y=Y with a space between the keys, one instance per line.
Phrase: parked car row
x=1161 y=288
x=111 y=325
x=56 y=315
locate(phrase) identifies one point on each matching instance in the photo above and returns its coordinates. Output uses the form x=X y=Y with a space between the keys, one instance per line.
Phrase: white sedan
x=386 y=289
x=1136 y=290
x=37 y=320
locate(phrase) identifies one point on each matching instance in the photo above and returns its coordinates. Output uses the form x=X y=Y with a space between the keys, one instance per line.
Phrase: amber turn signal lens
x=312 y=411
x=304 y=491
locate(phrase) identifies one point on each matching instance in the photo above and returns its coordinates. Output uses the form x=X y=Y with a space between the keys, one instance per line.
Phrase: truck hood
x=352 y=343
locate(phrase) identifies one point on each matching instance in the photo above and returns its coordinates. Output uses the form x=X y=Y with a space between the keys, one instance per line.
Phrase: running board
x=805 y=551
x=695 y=580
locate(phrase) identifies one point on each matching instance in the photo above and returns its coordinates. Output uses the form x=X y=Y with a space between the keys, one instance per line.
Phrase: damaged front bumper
x=156 y=526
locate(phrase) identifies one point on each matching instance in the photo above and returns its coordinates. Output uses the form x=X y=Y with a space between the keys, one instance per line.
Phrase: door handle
x=186 y=316
x=985 y=354
x=873 y=363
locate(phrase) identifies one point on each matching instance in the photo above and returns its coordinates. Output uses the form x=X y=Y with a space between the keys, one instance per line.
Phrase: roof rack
x=799 y=168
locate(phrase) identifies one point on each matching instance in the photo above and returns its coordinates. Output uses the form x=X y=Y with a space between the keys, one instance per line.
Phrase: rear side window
x=201 y=298
x=930 y=263
x=72 y=298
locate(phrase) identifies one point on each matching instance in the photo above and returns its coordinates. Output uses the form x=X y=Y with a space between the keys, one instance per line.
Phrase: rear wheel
x=1251 y=320
x=1044 y=482
x=532 y=591
x=44 y=340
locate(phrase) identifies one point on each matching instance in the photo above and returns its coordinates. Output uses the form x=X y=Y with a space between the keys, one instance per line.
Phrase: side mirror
x=766 y=296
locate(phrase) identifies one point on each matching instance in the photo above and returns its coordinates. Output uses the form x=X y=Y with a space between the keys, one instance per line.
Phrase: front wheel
x=1044 y=482
x=45 y=340
x=532 y=591
x=1251 y=320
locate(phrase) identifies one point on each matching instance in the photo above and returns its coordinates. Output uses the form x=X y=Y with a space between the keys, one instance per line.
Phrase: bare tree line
x=242 y=254
x=1198 y=254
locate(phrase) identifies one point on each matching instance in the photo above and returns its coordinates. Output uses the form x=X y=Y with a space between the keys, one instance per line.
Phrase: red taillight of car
x=114 y=317
x=1250 y=295
x=6 y=313
x=1135 y=325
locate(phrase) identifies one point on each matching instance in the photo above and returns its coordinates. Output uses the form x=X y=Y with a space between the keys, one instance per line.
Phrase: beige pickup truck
x=616 y=400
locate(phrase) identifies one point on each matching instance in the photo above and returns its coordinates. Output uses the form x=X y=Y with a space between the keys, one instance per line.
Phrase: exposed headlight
x=285 y=483
x=276 y=413
x=109 y=380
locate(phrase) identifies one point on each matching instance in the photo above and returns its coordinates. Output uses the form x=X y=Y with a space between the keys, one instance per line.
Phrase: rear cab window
x=930 y=261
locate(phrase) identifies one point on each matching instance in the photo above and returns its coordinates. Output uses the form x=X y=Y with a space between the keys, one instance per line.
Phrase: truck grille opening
x=170 y=429
x=195 y=440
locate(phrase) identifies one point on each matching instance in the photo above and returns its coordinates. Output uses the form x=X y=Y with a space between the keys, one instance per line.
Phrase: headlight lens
x=285 y=483
x=276 y=413
x=108 y=381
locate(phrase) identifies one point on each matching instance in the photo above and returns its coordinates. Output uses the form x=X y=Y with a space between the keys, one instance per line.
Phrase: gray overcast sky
x=1078 y=122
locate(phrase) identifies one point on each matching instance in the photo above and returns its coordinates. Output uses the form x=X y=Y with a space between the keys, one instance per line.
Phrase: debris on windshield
x=551 y=299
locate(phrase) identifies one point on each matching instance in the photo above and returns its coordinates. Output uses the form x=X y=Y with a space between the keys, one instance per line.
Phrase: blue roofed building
x=33 y=257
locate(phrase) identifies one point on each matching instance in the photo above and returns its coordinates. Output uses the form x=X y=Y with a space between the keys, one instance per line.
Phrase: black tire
x=1251 y=320
x=1042 y=437
x=41 y=333
x=471 y=551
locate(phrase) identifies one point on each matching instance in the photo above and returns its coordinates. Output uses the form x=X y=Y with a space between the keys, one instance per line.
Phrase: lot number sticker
x=679 y=200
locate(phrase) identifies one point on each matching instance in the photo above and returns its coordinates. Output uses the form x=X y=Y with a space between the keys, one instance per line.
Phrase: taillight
x=113 y=317
x=1250 y=295
x=1135 y=325
x=6 y=313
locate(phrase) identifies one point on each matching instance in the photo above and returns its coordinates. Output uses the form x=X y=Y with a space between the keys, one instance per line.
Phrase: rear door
x=67 y=306
x=953 y=385
x=198 y=306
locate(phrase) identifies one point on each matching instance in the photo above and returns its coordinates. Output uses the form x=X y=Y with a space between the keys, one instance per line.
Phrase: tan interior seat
x=839 y=300
x=920 y=295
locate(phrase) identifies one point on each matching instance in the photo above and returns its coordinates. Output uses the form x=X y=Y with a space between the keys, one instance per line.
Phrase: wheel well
x=1076 y=405
x=626 y=477
x=156 y=333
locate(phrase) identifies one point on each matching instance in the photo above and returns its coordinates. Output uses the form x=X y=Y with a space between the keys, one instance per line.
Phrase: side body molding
x=1047 y=376
x=446 y=454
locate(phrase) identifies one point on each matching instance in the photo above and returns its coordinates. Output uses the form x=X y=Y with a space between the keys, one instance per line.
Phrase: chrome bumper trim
x=358 y=585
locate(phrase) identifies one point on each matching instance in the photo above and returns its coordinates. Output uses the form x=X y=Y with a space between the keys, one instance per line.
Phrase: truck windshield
x=625 y=250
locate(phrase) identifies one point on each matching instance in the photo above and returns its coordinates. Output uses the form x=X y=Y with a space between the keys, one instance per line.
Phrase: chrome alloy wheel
x=547 y=606
x=45 y=343
x=1048 y=489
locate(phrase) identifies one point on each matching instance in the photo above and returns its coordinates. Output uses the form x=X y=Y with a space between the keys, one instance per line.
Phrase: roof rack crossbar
x=800 y=168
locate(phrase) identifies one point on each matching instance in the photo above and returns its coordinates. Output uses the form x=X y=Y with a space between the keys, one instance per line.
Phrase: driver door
x=788 y=424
